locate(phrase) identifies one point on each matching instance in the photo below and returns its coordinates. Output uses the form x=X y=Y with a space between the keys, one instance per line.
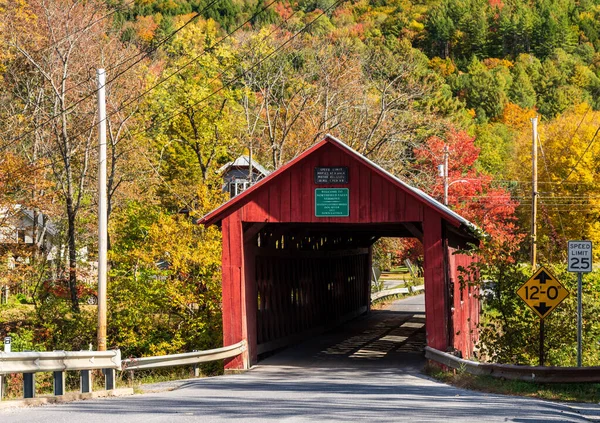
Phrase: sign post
x=7 y=342
x=580 y=261
x=543 y=293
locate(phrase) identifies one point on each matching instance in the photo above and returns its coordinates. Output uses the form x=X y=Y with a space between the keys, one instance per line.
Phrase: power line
x=570 y=143
x=581 y=157
x=548 y=172
x=225 y=85
x=93 y=92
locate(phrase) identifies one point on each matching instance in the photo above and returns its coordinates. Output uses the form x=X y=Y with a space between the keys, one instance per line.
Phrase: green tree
x=486 y=91
x=521 y=90
x=199 y=134
x=164 y=294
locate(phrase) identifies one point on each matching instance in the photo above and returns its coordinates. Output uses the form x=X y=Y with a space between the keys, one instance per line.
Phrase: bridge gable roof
x=416 y=194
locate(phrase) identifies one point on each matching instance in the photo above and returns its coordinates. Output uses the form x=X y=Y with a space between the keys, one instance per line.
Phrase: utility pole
x=534 y=193
x=445 y=175
x=102 y=211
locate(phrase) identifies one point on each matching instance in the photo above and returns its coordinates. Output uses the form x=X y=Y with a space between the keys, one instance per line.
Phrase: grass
x=145 y=377
x=570 y=392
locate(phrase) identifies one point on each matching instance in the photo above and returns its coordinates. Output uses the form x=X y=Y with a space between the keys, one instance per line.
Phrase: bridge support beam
x=234 y=287
x=436 y=293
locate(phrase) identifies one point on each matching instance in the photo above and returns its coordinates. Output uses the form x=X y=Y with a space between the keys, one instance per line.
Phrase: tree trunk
x=72 y=256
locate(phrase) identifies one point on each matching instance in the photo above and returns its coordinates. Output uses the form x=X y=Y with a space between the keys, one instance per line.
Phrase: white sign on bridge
x=580 y=256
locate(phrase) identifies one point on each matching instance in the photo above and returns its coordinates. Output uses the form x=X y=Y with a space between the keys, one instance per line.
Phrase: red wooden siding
x=231 y=285
x=465 y=305
x=291 y=196
x=436 y=323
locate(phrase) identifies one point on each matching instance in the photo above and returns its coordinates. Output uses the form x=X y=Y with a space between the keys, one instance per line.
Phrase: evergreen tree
x=521 y=91
x=485 y=91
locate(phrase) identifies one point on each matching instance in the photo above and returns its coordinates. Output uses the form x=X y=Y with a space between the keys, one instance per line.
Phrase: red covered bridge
x=297 y=252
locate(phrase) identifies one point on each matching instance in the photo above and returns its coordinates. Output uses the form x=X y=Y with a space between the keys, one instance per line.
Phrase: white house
x=240 y=174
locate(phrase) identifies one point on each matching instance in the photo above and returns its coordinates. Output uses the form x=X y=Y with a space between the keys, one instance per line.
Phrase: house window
x=21 y=235
x=237 y=186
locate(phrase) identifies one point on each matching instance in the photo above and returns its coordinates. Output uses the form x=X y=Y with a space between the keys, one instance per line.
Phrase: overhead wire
x=143 y=54
x=582 y=155
x=548 y=173
x=223 y=86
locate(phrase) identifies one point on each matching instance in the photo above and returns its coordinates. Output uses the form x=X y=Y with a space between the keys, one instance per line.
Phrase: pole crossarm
x=58 y=361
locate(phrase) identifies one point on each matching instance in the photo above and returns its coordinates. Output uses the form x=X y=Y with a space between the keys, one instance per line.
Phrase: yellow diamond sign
x=542 y=292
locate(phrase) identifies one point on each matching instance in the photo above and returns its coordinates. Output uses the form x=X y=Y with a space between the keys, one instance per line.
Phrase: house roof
x=50 y=227
x=244 y=162
x=231 y=205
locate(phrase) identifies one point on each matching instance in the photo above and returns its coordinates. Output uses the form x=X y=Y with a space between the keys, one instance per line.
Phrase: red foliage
x=59 y=288
x=284 y=10
x=471 y=193
x=496 y=3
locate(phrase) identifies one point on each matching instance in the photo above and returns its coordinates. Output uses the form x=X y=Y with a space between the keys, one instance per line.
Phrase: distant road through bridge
x=369 y=370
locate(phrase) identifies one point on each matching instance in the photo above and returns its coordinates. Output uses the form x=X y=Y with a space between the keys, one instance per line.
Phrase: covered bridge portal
x=297 y=252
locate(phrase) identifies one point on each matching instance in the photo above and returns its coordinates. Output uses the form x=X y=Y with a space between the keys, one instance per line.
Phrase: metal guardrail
x=55 y=361
x=390 y=292
x=516 y=372
x=184 y=359
x=58 y=362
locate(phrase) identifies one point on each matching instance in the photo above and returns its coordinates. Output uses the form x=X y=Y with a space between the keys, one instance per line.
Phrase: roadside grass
x=128 y=379
x=570 y=392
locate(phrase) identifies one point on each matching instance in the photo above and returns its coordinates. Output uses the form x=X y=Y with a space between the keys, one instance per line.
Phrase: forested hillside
x=194 y=84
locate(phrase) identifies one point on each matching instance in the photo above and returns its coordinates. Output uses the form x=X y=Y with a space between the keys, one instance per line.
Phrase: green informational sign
x=332 y=202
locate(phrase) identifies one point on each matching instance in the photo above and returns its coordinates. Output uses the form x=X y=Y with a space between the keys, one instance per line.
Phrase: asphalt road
x=368 y=371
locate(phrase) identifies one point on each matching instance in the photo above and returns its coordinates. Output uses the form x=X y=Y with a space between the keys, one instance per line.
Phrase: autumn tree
x=52 y=75
x=568 y=178
x=193 y=118
x=471 y=192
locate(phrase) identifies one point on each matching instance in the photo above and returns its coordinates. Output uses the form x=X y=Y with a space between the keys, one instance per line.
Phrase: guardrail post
x=28 y=385
x=196 y=368
x=85 y=381
x=2 y=387
x=59 y=383
x=109 y=379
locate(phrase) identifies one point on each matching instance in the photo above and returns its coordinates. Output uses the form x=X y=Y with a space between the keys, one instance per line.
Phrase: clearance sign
x=542 y=292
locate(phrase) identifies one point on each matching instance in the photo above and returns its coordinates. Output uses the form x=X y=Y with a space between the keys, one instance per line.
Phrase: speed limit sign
x=580 y=256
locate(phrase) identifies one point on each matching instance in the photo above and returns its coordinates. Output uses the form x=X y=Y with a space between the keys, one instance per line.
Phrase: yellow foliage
x=569 y=178
x=416 y=26
x=444 y=67
x=517 y=117
x=492 y=63
x=145 y=28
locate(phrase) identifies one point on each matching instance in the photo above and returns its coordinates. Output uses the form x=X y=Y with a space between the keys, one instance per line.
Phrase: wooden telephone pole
x=534 y=193
x=102 y=212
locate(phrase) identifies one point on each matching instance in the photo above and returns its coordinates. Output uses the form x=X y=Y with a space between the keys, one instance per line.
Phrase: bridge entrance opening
x=297 y=252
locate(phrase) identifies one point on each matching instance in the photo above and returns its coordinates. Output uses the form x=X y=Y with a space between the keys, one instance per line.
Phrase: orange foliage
x=492 y=63
x=284 y=10
x=444 y=67
x=517 y=117
x=146 y=27
x=496 y=3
